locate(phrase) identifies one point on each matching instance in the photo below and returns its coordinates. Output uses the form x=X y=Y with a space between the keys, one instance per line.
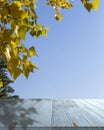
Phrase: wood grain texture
x=48 y=114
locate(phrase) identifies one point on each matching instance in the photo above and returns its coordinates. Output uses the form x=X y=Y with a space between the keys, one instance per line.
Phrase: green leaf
x=32 y=52
x=22 y=32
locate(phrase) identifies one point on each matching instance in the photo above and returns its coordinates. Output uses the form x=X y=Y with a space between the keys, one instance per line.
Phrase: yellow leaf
x=15 y=39
x=16 y=73
x=32 y=52
x=25 y=71
x=7 y=34
x=2 y=2
x=12 y=66
x=13 y=25
x=32 y=66
x=14 y=45
x=17 y=4
x=95 y=4
x=44 y=33
x=24 y=58
x=47 y=28
x=3 y=13
x=1 y=84
x=58 y=16
x=68 y=6
x=22 y=32
x=13 y=63
x=7 y=53
x=39 y=26
x=28 y=67
x=88 y=6
x=15 y=52
x=24 y=14
x=22 y=49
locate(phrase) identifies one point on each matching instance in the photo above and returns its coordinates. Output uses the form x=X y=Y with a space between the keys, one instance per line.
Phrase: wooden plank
x=98 y=110
x=98 y=103
x=78 y=128
x=19 y=128
x=31 y=113
x=72 y=128
x=39 y=114
x=18 y=116
x=6 y=110
x=31 y=128
x=91 y=116
x=59 y=117
x=8 y=105
x=62 y=128
x=73 y=115
x=41 y=128
x=56 y=128
x=44 y=114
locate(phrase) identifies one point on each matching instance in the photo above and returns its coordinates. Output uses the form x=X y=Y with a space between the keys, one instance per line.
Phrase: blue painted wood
x=59 y=117
x=47 y=114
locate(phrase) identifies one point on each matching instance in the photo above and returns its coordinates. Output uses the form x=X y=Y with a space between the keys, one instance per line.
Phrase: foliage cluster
x=6 y=91
x=17 y=18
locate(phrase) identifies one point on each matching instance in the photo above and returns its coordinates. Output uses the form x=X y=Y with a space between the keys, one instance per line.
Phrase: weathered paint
x=47 y=114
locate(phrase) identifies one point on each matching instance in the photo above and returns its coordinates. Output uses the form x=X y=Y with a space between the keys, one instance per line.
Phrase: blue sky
x=71 y=58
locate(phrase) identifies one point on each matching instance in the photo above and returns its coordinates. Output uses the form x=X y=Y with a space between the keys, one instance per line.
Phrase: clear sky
x=71 y=58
